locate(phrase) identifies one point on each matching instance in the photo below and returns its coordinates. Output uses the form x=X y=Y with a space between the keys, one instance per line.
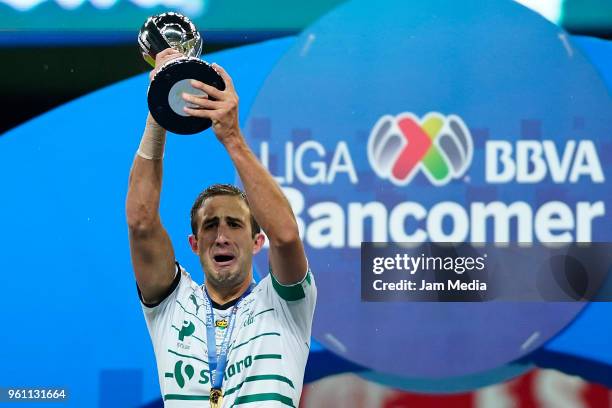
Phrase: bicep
x=153 y=261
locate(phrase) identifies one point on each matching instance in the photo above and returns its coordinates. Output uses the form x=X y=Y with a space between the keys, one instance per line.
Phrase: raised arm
x=266 y=200
x=150 y=247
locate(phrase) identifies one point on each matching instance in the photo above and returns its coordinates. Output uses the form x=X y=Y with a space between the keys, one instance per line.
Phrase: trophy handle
x=151 y=41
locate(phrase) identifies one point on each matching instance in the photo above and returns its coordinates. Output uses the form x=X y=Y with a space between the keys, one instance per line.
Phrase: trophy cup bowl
x=173 y=30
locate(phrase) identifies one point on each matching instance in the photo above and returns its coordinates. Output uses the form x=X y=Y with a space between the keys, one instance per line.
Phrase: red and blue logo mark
x=439 y=146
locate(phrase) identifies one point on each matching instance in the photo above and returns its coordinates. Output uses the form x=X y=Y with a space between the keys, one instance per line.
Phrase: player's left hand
x=221 y=107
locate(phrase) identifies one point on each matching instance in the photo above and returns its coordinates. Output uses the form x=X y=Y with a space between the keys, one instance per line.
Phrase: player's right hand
x=163 y=57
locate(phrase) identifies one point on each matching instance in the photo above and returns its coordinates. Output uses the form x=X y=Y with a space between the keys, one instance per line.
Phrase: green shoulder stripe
x=291 y=292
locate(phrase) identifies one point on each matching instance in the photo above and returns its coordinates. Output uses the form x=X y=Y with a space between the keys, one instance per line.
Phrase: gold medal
x=216 y=397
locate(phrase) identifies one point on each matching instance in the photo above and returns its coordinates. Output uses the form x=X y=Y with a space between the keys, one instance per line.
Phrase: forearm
x=266 y=200
x=142 y=204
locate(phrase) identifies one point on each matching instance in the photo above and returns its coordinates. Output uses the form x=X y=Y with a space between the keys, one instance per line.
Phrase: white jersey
x=268 y=347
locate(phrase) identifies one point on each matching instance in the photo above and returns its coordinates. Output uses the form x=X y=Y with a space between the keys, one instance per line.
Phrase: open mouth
x=223 y=260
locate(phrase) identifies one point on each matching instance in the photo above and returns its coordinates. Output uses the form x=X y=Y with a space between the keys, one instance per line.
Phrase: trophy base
x=164 y=95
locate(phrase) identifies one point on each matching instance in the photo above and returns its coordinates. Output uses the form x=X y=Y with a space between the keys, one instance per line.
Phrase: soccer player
x=227 y=342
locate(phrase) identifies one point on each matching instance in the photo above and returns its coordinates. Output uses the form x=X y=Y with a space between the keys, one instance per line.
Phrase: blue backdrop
x=71 y=314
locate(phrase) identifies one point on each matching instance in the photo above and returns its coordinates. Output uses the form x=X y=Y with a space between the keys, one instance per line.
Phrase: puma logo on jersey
x=193 y=298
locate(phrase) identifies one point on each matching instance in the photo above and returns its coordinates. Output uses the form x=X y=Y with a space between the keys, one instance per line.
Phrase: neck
x=222 y=295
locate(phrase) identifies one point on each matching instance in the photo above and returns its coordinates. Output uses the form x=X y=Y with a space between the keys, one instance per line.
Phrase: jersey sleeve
x=298 y=301
x=159 y=316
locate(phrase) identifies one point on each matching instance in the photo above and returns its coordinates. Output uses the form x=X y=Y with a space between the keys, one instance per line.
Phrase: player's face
x=225 y=243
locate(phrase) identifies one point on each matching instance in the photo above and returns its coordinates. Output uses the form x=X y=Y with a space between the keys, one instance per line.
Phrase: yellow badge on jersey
x=221 y=323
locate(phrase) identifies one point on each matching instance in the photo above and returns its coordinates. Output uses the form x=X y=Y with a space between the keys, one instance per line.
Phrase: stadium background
x=56 y=52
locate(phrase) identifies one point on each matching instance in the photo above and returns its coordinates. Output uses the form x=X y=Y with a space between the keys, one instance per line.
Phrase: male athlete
x=228 y=342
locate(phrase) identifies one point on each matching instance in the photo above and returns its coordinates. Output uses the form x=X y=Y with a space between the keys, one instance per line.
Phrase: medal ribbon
x=217 y=363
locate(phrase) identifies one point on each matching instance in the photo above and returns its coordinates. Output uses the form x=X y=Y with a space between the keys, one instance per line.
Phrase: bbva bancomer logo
x=441 y=147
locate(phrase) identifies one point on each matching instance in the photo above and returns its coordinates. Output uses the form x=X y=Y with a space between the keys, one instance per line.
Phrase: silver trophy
x=173 y=30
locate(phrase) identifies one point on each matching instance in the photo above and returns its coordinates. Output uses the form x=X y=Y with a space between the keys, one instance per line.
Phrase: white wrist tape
x=152 y=143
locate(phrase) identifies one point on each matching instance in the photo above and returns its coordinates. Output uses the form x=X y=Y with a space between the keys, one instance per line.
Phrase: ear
x=258 y=243
x=193 y=243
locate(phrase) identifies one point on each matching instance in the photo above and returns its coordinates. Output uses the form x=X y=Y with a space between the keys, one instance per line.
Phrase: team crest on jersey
x=221 y=323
